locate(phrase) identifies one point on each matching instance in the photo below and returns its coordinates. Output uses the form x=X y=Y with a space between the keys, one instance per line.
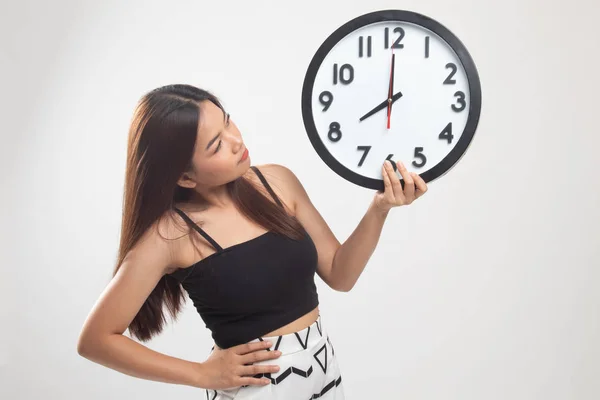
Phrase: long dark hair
x=160 y=146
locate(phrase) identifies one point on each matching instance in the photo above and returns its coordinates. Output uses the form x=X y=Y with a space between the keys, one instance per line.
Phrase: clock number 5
x=419 y=154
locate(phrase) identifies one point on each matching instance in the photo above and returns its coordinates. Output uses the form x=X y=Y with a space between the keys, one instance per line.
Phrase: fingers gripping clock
x=350 y=90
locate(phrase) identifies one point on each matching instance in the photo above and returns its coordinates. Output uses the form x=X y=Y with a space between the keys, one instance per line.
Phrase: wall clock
x=395 y=85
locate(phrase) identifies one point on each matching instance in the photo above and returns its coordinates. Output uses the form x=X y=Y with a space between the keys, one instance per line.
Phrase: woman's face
x=217 y=157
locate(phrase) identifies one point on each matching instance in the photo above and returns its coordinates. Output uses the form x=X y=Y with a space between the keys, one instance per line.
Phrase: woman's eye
x=218 y=146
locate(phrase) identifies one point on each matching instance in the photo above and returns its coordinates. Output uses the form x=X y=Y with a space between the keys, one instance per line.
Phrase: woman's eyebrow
x=212 y=141
x=225 y=115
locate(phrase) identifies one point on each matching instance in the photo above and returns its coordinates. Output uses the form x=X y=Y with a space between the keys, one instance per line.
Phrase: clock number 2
x=449 y=80
x=419 y=154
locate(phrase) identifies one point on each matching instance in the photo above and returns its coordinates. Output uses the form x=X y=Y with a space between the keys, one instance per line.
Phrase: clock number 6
x=334 y=132
x=419 y=154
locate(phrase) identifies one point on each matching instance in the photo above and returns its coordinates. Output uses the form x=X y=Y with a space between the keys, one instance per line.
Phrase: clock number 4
x=447 y=133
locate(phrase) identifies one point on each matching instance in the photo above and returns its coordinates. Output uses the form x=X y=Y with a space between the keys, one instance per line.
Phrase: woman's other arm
x=101 y=339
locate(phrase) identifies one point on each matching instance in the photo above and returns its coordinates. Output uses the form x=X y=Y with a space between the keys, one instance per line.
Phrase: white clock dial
x=431 y=106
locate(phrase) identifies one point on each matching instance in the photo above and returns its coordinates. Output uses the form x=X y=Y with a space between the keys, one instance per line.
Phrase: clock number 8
x=326 y=98
x=334 y=132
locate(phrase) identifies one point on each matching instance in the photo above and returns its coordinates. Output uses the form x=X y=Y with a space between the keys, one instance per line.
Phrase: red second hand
x=390 y=92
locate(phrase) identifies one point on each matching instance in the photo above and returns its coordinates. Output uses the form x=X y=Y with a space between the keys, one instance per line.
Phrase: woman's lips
x=244 y=155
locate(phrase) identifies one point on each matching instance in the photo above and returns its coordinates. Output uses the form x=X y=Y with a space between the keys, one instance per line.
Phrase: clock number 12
x=397 y=44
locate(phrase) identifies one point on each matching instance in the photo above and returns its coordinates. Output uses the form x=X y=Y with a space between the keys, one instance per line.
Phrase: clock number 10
x=345 y=74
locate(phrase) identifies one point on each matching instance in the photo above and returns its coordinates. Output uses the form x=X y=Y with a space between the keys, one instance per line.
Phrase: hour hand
x=381 y=106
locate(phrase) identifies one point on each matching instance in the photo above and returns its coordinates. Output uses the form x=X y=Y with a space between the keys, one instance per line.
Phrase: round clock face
x=391 y=85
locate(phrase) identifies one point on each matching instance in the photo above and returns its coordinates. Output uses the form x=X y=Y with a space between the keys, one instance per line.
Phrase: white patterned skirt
x=308 y=369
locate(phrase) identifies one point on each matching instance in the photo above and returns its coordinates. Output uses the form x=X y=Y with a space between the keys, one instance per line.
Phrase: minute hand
x=381 y=106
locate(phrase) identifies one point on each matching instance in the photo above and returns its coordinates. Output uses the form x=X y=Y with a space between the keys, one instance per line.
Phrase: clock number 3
x=461 y=102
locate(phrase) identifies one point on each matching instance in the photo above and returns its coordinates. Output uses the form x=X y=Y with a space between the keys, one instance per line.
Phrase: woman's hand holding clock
x=395 y=194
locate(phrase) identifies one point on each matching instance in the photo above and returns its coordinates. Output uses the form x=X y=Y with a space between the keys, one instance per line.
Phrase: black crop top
x=252 y=288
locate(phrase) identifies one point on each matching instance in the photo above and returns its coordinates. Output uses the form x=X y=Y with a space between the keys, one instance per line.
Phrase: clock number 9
x=419 y=154
x=326 y=98
x=334 y=132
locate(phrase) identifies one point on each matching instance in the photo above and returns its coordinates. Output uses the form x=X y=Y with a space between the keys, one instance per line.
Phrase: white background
x=486 y=288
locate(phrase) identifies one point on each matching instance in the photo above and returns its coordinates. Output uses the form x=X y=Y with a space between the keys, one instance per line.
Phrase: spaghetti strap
x=264 y=181
x=200 y=230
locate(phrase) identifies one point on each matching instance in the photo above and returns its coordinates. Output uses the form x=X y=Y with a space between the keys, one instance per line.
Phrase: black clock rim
x=404 y=16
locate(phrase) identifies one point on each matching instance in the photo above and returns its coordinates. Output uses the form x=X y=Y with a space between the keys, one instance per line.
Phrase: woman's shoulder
x=281 y=179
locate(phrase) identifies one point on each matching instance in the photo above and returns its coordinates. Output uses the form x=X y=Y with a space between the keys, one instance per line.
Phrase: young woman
x=243 y=241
